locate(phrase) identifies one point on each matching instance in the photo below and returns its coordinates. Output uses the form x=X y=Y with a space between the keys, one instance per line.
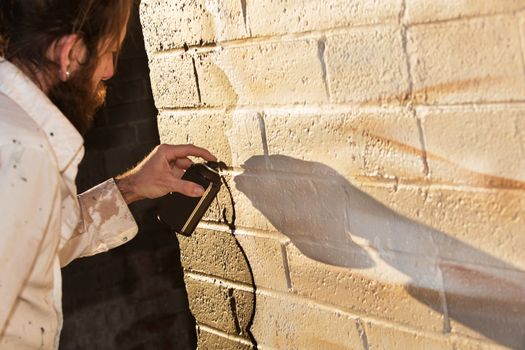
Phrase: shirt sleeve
x=28 y=193
x=106 y=222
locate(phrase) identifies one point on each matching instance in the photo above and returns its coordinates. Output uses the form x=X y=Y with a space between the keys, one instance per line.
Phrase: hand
x=160 y=173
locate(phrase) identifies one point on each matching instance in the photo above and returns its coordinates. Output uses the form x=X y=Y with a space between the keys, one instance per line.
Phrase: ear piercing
x=67 y=75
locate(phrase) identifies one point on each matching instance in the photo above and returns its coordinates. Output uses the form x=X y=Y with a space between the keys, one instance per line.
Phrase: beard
x=77 y=99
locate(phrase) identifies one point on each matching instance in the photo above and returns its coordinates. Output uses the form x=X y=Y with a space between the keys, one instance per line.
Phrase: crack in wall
x=447 y=328
x=321 y=48
x=424 y=156
x=409 y=96
x=233 y=308
x=196 y=79
x=244 y=15
x=404 y=41
x=362 y=334
x=286 y=267
x=264 y=139
x=521 y=35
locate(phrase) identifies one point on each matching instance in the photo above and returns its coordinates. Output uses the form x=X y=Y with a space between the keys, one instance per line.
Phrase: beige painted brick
x=481 y=147
x=469 y=61
x=378 y=290
x=288 y=16
x=244 y=310
x=367 y=65
x=375 y=142
x=199 y=253
x=211 y=305
x=490 y=223
x=248 y=216
x=486 y=303
x=283 y=323
x=215 y=82
x=266 y=261
x=386 y=338
x=465 y=343
x=206 y=129
x=245 y=136
x=292 y=203
x=468 y=226
x=287 y=72
x=212 y=341
x=173 y=82
x=419 y=11
x=168 y=25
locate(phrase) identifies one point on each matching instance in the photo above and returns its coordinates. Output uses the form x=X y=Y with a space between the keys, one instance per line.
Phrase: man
x=56 y=54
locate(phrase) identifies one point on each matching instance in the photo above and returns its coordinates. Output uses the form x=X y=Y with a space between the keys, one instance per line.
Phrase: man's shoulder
x=17 y=126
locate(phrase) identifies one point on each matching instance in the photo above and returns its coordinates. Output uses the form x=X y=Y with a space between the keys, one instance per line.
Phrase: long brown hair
x=29 y=27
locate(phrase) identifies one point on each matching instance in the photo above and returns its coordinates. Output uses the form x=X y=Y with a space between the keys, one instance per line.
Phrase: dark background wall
x=132 y=297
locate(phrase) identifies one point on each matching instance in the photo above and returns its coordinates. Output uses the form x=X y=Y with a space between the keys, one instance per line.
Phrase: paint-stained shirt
x=44 y=224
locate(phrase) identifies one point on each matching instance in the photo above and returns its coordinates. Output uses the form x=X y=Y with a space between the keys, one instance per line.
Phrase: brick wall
x=377 y=153
x=132 y=297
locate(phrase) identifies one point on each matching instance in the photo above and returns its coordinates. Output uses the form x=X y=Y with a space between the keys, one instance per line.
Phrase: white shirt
x=43 y=223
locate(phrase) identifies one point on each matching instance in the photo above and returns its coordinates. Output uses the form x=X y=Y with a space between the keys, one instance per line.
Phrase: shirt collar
x=63 y=137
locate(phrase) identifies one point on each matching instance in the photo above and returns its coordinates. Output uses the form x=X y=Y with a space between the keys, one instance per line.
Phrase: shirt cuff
x=109 y=216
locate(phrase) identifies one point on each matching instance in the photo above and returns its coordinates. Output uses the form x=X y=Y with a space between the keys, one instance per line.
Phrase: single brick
x=173 y=81
x=199 y=253
x=244 y=305
x=135 y=111
x=146 y=131
x=287 y=16
x=312 y=328
x=288 y=72
x=247 y=212
x=110 y=138
x=431 y=11
x=215 y=81
x=208 y=129
x=486 y=303
x=168 y=24
x=381 y=337
x=246 y=137
x=476 y=147
x=368 y=285
x=467 y=343
x=213 y=341
x=375 y=142
x=124 y=92
x=135 y=68
x=449 y=69
x=474 y=227
x=367 y=65
x=266 y=261
x=211 y=305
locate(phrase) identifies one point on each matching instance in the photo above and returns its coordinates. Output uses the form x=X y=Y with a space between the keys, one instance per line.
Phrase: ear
x=67 y=52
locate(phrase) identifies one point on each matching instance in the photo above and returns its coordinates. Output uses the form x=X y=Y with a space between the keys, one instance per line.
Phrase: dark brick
x=133 y=111
x=91 y=171
x=147 y=132
x=120 y=159
x=111 y=137
x=128 y=91
x=134 y=68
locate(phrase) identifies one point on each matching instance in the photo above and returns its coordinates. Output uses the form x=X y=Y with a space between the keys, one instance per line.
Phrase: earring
x=67 y=75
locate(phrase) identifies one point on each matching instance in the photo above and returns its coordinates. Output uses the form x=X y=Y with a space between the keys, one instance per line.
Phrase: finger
x=187 y=188
x=177 y=172
x=182 y=151
x=181 y=163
